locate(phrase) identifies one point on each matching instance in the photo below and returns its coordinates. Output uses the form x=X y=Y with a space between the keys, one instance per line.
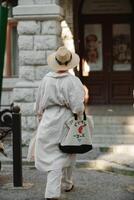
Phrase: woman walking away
x=60 y=94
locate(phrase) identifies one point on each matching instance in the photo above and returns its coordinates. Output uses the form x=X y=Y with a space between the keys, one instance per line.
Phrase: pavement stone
x=89 y=185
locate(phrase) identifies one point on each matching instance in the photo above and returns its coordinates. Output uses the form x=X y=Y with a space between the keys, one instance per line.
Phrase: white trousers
x=58 y=179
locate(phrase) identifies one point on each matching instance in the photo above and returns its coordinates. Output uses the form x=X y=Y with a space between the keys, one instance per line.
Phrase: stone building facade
x=44 y=25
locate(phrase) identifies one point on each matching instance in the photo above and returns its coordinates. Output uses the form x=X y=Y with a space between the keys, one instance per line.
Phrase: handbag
x=78 y=139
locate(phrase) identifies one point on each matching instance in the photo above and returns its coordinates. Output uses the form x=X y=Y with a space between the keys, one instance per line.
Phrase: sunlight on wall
x=68 y=41
x=85 y=69
x=67 y=36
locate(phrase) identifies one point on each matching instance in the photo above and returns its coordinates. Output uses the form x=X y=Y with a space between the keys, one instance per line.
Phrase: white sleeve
x=39 y=96
x=76 y=96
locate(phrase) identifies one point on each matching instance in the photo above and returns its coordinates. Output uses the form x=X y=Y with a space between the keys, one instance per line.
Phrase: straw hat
x=63 y=59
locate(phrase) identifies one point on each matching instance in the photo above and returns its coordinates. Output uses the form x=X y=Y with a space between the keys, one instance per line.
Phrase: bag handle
x=84 y=116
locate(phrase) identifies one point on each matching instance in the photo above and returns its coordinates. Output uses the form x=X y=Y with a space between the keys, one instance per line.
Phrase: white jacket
x=59 y=96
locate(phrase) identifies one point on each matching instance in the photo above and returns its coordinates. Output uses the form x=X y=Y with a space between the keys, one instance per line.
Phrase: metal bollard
x=17 y=152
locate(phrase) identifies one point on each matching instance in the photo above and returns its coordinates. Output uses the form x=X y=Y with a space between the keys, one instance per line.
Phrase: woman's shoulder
x=72 y=81
x=74 y=78
x=65 y=77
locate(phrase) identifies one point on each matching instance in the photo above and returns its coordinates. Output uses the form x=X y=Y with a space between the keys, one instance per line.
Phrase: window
x=122 y=56
x=93 y=46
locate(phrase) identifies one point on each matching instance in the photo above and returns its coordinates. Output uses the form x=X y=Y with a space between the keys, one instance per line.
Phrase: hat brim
x=56 y=67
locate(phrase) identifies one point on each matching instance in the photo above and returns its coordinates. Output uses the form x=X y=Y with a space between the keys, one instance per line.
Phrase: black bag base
x=75 y=149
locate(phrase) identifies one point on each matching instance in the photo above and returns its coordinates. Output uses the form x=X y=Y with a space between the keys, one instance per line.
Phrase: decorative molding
x=50 y=11
x=33 y=2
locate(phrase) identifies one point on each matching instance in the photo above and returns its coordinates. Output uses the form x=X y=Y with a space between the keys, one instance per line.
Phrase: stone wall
x=39 y=35
x=43 y=26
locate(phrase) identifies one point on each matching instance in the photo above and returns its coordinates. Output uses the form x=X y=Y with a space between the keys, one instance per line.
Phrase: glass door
x=122 y=54
x=107 y=64
x=93 y=46
x=106 y=46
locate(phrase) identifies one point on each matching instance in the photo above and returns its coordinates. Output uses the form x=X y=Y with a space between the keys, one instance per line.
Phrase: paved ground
x=89 y=185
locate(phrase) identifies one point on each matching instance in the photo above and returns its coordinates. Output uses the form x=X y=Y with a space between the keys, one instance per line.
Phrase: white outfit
x=53 y=186
x=67 y=180
x=56 y=179
x=59 y=96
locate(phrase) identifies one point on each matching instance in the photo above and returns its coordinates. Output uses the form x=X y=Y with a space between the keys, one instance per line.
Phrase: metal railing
x=10 y=122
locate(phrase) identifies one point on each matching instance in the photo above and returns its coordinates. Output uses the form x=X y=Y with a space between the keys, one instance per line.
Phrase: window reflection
x=121 y=47
x=93 y=46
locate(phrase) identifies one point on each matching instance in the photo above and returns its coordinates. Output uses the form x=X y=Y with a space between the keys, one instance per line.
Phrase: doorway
x=106 y=50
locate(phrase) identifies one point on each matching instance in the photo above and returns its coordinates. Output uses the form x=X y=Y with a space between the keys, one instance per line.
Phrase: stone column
x=39 y=34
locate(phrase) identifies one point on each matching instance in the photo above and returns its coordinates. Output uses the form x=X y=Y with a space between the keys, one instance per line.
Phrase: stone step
x=116 y=149
x=121 y=120
x=112 y=139
x=119 y=154
x=110 y=110
x=113 y=129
